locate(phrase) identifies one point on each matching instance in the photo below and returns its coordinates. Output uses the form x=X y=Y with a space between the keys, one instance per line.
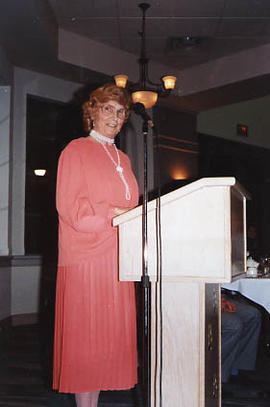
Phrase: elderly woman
x=95 y=325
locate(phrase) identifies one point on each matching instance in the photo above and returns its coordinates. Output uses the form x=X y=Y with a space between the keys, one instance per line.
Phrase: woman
x=95 y=327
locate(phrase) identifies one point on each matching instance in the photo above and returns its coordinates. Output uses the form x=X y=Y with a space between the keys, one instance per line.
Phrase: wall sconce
x=121 y=80
x=40 y=172
x=178 y=174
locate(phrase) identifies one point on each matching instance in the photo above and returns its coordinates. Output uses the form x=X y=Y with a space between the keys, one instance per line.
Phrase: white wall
x=6 y=72
x=4 y=167
x=222 y=122
x=5 y=292
x=19 y=285
x=25 y=286
x=28 y=82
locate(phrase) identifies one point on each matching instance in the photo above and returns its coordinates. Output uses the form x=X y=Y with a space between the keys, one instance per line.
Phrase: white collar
x=100 y=138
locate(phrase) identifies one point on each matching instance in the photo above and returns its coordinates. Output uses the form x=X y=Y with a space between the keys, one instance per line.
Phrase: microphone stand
x=145 y=277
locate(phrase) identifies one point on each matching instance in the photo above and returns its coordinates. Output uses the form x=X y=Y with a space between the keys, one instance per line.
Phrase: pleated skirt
x=95 y=328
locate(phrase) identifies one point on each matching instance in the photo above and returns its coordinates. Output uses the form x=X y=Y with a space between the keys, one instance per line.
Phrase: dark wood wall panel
x=250 y=165
x=178 y=147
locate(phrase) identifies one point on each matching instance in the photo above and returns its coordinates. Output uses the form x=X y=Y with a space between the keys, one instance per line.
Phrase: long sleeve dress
x=95 y=321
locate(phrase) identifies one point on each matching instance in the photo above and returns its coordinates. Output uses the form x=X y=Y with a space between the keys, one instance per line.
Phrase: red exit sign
x=242 y=130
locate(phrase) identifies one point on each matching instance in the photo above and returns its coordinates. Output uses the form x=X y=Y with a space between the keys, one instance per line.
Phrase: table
x=256 y=289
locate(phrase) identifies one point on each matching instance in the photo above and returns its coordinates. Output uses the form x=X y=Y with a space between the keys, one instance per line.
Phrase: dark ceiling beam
x=224 y=95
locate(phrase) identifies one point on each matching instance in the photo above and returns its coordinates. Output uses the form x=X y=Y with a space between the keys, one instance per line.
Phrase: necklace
x=119 y=169
x=102 y=139
x=99 y=137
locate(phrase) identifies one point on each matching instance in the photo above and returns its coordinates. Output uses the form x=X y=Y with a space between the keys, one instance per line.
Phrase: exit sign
x=242 y=130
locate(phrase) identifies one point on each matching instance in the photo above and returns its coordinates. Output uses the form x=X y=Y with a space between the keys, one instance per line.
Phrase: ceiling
x=224 y=26
x=28 y=32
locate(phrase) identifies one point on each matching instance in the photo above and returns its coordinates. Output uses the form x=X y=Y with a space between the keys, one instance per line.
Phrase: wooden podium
x=203 y=244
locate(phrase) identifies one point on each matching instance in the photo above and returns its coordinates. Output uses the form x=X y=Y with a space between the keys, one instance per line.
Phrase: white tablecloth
x=256 y=289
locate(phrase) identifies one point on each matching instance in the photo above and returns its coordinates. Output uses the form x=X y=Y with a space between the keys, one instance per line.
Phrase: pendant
x=119 y=169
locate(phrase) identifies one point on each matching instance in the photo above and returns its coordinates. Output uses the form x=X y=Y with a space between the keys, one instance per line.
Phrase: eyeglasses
x=109 y=110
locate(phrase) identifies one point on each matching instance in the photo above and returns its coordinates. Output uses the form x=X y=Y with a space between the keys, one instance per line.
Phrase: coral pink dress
x=95 y=324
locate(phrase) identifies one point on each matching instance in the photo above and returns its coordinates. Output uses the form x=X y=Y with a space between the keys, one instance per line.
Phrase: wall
x=250 y=165
x=5 y=291
x=25 y=289
x=133 y=145
x=4 y=167
x=222 y=122
x=6 y=69
x=178 y=146
x=27 y=82
x=5 y=270
x=19 y=281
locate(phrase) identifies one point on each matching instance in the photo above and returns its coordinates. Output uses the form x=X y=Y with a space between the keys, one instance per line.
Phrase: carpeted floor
x=24 y=375
x=253 y=389
x=25 y=366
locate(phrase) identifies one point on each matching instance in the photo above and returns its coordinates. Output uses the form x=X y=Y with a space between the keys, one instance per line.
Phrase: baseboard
x=16 y=320
x=5 y=324
x=24 y=319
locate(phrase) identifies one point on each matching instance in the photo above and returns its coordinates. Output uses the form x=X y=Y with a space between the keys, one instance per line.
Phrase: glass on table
x=265 y=265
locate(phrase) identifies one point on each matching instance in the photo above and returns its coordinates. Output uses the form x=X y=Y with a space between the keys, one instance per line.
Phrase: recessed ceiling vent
x=185 y=42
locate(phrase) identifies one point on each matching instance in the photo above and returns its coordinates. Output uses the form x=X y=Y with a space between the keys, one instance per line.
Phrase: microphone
x=139 y=109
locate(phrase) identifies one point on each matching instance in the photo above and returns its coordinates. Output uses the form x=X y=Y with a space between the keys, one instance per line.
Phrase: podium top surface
x=181 y=192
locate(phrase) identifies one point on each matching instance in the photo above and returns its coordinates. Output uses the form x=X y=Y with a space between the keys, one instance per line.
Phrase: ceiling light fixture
x=146 y=91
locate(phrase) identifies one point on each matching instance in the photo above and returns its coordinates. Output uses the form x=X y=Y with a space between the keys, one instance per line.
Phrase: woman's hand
x=119 y=211
x=227 y=306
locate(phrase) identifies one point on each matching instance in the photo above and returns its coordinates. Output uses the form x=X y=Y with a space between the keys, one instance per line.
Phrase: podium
x=203 y=244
